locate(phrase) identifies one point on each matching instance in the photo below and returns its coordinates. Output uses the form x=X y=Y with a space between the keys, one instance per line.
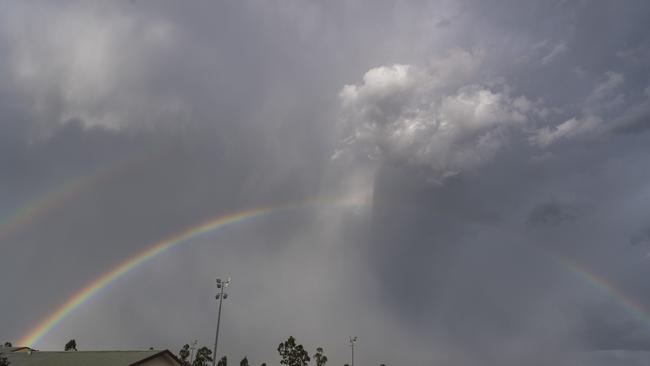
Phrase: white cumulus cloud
x=420 y=116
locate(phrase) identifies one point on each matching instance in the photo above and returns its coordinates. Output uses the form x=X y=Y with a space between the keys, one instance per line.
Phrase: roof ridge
x=100 y=351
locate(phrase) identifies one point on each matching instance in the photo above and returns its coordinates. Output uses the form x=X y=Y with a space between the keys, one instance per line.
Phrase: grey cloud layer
x=496 y=137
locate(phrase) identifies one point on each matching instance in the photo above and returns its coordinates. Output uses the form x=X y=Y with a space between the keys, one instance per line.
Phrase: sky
x=467 y=179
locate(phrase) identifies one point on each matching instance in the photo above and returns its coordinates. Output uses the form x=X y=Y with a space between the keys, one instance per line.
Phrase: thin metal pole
x=192 y=348
x=353 y=341
x=216 y=337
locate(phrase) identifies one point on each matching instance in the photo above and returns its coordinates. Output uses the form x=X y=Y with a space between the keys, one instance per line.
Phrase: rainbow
x=216 y=223
x=631 y=305
x=27 y=213
x=101 y=282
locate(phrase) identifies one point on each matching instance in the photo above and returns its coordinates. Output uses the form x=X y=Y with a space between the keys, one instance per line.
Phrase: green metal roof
x=4 y=349
x=82 y=358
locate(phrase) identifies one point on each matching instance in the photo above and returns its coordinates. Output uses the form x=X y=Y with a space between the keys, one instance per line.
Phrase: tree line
x=291 y=354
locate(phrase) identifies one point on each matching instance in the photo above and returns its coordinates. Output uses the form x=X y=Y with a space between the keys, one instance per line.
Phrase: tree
x=3 y=360
x=203 y=357
x=321 y=359
x=293 y=354
x=184 y=355
x=244 y=361
x=71 y=345
x=223 y=361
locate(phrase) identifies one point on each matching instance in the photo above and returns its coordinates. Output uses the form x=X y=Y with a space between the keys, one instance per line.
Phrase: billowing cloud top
x=434 y=117
x=452 y=114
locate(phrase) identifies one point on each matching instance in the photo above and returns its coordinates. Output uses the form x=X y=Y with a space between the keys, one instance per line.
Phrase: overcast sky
x=493 y=147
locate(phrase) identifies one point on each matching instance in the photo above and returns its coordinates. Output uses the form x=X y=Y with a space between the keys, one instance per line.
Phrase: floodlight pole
x=221 y=285
x=192 y=348
x=353 y=341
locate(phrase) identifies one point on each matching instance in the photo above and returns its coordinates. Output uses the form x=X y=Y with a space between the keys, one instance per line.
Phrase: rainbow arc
x=185 y=236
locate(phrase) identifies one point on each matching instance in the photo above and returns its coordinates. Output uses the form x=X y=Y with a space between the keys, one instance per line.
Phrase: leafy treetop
x=184 y=354
x=203 y=357
x=321 y=359
x=71 y=345
x=3 y=360
x=223 y=361
x=293 y=354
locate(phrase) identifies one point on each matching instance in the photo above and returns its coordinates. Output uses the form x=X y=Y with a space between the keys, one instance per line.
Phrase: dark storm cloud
x=636 y=120
x=552 y=213
x=613 y=333
x=641 y=237
x=502 y=136
x=535 y=127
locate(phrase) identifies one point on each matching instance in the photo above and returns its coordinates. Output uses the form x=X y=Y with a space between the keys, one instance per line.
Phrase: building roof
x=4 y=349
x=86 y=358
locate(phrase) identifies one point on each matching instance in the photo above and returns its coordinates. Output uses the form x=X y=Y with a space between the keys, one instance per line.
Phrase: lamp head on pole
x=221 y=283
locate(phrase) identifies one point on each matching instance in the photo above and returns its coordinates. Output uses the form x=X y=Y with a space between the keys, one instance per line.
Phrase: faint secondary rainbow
x=26 y=214
x=101 y=282
x=630 y=304
x=53 y=198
